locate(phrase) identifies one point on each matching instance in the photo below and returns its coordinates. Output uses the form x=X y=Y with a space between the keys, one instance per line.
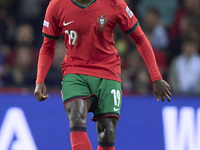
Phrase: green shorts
x=105 y=94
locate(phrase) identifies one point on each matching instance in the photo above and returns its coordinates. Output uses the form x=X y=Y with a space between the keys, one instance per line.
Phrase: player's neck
x=84 y=2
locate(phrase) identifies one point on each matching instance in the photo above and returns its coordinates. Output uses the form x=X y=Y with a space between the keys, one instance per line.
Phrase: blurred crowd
x=172 y=27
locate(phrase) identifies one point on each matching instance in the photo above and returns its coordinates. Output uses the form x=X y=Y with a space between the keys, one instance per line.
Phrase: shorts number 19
x=117 y=96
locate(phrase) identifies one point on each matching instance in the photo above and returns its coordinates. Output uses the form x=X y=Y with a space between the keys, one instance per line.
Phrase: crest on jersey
x=101 y=21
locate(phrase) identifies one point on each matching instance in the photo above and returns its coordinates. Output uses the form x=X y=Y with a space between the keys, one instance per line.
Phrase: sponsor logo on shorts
x=115 y=109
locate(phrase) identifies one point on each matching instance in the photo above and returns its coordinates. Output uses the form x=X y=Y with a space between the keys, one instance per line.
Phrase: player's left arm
x=130 y=25
x=160 y=86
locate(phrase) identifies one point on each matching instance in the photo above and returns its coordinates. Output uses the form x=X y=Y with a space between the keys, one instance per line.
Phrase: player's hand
x=162 y=89
x=40 y=92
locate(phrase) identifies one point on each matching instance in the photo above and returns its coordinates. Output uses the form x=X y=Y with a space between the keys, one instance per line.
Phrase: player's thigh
x=76 y=99
x=77 y=111
x=74 y=87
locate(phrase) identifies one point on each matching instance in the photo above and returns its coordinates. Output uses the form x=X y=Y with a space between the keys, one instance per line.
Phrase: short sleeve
x=125 y=17
x=50 y=25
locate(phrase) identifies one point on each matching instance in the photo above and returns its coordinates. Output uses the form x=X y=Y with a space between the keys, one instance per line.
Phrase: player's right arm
x=51 y=33
x=45 y=59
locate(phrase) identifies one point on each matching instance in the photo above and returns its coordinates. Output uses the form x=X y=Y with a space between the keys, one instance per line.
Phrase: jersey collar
x=81 y=6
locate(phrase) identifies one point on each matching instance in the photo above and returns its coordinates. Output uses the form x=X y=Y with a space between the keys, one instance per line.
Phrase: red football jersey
x=88 y=35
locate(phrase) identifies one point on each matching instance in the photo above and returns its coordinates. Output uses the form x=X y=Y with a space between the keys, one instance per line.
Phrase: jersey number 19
x=72 y=36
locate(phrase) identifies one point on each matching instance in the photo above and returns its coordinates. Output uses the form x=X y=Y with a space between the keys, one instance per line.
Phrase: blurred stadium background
x=173 y=29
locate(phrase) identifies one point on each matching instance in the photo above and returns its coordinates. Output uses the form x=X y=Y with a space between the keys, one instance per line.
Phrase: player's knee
x=106 y=129
x=76 y=117
x=107 y=135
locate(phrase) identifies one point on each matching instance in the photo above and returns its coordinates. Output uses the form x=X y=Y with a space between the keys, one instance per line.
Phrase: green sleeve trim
x=50 y=37
x=132 y=29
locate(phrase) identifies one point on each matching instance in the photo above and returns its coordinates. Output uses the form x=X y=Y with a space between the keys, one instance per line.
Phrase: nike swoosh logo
x=116 y=109
x=65 y=24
